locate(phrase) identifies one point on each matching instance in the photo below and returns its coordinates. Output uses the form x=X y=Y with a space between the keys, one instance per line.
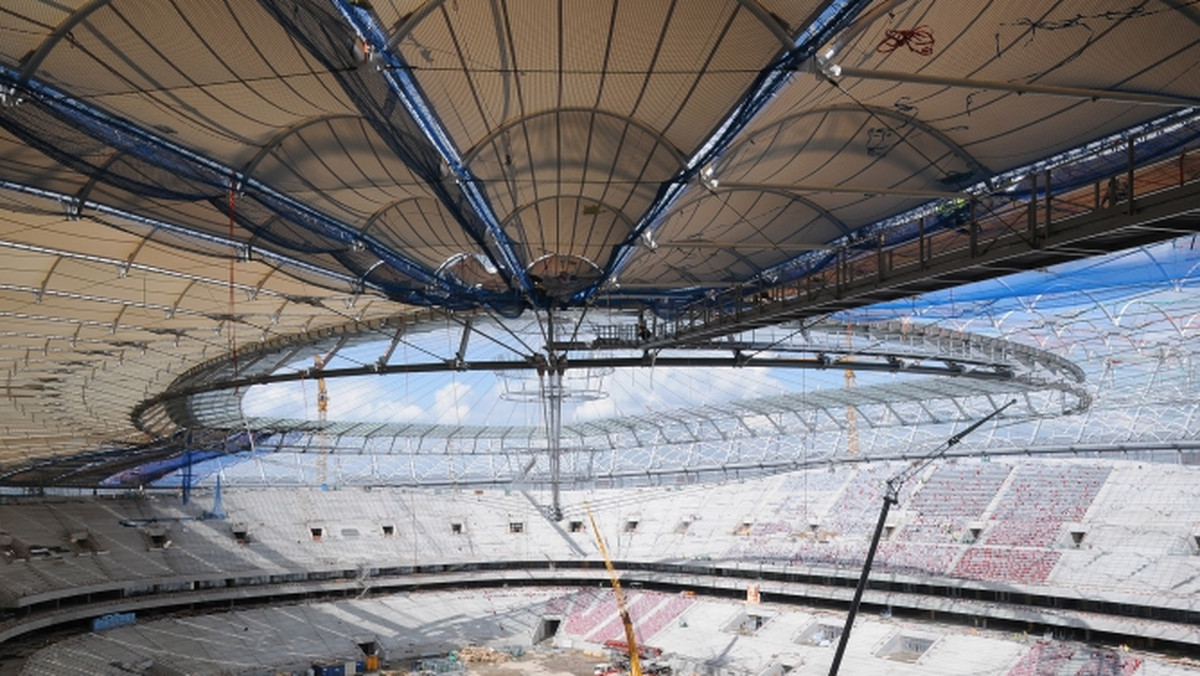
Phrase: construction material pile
x=474 y=654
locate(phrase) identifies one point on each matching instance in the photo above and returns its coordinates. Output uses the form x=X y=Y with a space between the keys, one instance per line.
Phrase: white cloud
x=643 y=391
x=276 y=401
x=595 y=409
x=477 y=399
x=451 y=404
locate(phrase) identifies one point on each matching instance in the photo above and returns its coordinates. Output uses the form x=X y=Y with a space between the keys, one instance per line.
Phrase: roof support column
x=552 y=398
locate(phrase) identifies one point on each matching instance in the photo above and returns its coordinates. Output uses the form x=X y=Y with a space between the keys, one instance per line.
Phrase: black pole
x=889 y=497
x=974 y=426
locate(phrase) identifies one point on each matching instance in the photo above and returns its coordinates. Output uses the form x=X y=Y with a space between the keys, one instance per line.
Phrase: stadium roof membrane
x=605 y=239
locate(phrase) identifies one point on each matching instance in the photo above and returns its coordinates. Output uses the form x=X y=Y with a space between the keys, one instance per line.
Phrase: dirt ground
x=538 y=662
x=541 y=663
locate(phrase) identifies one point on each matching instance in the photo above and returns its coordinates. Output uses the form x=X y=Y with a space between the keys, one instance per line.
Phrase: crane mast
x=322 y=417
x=851 y=409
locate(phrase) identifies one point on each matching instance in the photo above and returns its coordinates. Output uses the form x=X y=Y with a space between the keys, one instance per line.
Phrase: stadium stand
x=1021 y=543
x=1041 y=498
x=952 y=496
x=1146 y=593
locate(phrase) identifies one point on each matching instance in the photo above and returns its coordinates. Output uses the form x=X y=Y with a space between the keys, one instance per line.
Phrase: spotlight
x=826 y=70
x=648 y=241
x=9 y=97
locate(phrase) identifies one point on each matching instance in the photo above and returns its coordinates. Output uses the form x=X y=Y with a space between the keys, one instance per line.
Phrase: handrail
x=964 y=232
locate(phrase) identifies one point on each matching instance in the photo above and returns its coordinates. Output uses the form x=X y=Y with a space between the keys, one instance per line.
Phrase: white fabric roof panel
x=166 y=69
x=1071 y=45
x=566 y=127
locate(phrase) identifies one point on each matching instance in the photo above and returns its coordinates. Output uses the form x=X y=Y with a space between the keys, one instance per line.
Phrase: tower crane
x=851 y=409
x=322 y=417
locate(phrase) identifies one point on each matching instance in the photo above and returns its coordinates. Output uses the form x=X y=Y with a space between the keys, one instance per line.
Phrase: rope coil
x=918 y=40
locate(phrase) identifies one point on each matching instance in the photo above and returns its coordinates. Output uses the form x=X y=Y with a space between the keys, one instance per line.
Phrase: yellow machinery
x=851 y=409
x=322 y=416
x=635 y=665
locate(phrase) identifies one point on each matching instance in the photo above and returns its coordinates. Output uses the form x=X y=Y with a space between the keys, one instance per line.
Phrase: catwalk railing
x=976 y=237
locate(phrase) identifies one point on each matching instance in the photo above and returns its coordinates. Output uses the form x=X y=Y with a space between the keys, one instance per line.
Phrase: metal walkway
x=1026 y=234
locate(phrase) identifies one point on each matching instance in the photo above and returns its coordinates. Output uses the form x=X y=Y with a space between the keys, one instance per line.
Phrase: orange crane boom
x=635 y=665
